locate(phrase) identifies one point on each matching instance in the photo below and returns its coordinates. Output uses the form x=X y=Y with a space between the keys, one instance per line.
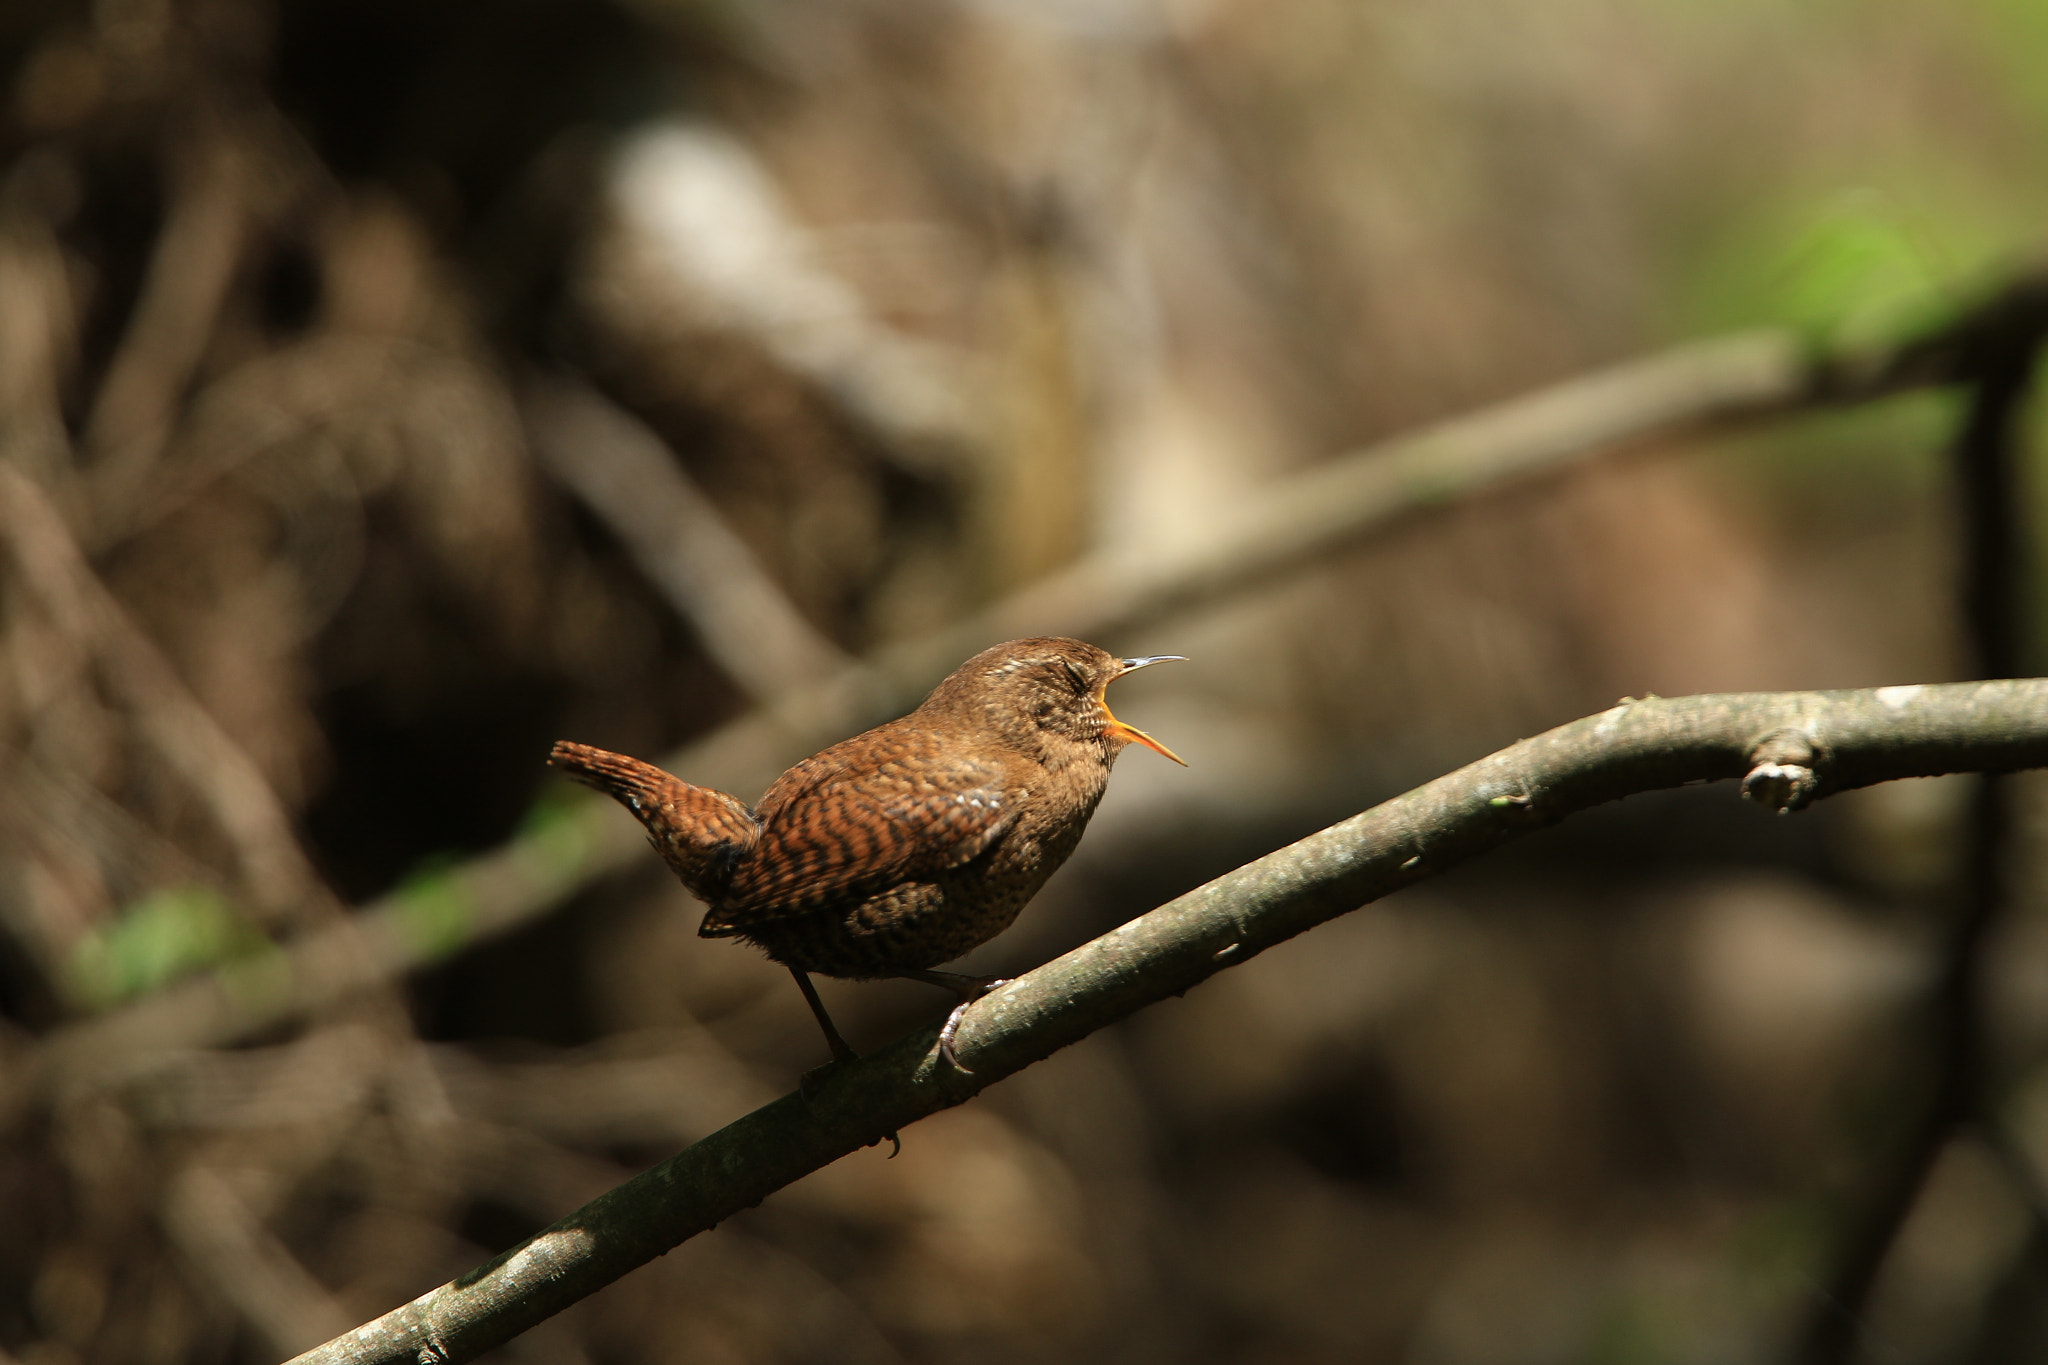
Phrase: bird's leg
x=840 y=1051
x=969 y=989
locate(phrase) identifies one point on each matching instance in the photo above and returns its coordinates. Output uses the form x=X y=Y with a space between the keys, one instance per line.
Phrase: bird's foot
x=980 y=986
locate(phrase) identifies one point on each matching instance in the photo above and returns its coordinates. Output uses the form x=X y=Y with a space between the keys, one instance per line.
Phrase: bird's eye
x=1074 y=672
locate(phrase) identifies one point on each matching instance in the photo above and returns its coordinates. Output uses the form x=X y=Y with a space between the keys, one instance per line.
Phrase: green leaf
x=554 y=839
x=1848 y=265
x=166 y=934
x=436 y=909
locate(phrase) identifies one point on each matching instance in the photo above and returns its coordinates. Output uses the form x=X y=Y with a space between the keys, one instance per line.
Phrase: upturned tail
x=697 y=831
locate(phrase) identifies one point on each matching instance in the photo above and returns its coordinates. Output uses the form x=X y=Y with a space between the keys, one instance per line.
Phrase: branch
x=1337 y=504
x=275 y=871
x=1987 y=461
x=624 y=473
x=191 y=270
x=243 y=1261
x=1790 y=748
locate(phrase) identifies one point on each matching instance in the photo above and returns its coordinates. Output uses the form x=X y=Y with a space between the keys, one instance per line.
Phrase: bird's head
x=1040 y=691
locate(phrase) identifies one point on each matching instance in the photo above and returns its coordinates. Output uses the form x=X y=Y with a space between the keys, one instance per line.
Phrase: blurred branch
x=1298 y=522
x=707 y=210
x=623 y=472
x=37 y=329
x=245 y=1263
x=190 y=272
x=274 y=869
x=1986 y=460
x=1790 y=748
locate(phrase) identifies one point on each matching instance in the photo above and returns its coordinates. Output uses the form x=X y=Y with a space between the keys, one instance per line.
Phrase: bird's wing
x=830 y=828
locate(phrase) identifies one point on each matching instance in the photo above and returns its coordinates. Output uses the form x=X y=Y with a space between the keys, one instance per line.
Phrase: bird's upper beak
x=1131 y=734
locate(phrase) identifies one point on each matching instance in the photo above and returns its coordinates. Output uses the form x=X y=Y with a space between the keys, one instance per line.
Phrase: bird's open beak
x=1131 y=734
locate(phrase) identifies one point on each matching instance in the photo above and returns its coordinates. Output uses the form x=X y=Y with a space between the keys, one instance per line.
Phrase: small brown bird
x=908 y=845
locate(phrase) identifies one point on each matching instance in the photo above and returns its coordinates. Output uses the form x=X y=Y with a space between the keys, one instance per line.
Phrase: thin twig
x=1811 y=744
x=622 y=471
x=190 y=272
x=245 y=1262
x=257 y=827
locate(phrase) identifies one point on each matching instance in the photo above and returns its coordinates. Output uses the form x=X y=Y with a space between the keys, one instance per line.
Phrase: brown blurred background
x=326 y=324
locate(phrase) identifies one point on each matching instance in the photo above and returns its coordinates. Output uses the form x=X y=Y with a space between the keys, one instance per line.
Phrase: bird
x=907 y=845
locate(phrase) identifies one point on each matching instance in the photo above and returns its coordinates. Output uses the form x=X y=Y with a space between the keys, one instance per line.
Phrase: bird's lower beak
x=1131 y=734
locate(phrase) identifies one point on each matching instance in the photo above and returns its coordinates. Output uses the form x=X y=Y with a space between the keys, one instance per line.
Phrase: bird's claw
x=951 y=1028
x=946 y=1034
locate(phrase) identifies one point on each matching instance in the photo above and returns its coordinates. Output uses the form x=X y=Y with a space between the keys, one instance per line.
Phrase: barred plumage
x=905 y=846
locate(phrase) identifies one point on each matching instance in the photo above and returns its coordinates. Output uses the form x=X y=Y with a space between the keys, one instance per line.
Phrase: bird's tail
x=697 y=831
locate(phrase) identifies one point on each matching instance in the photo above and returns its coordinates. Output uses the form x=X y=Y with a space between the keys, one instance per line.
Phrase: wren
x=908 y=845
